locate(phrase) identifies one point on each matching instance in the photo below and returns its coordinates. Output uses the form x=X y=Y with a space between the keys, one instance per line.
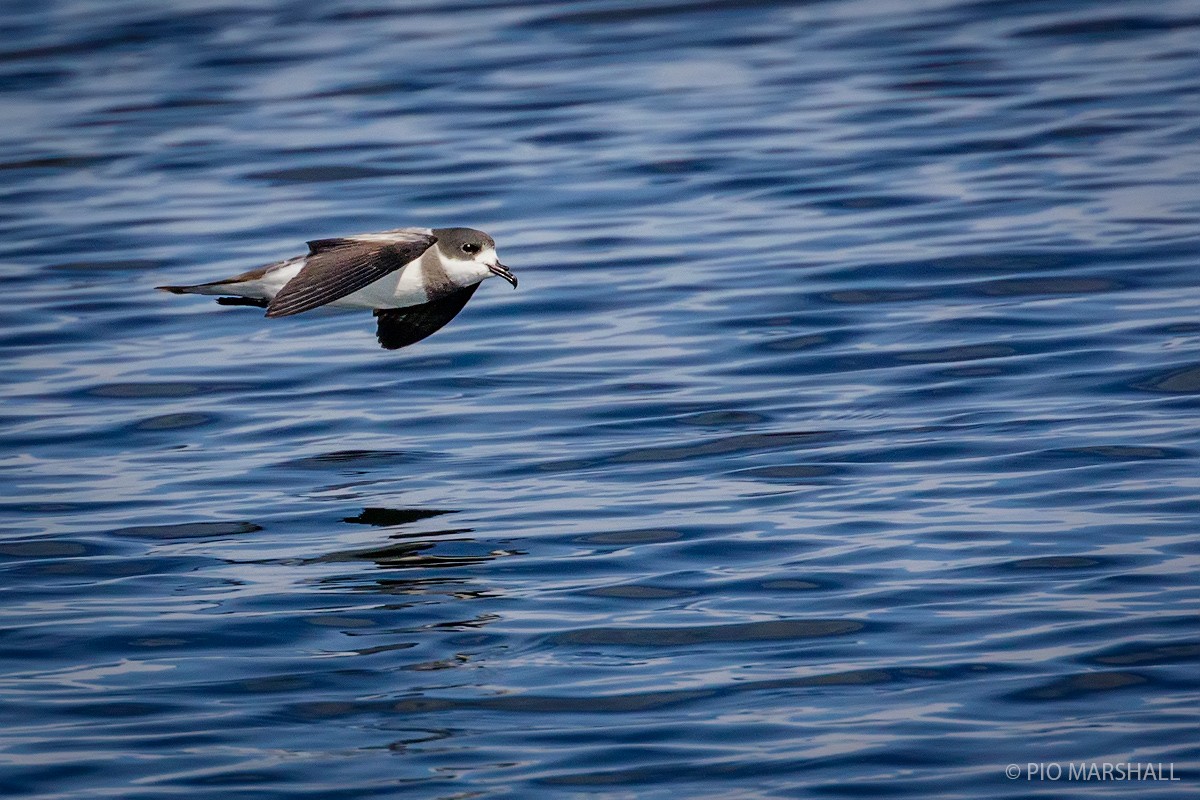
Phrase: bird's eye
x=470 y=248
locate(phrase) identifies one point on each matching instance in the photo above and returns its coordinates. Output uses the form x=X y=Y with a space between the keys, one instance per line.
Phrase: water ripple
x=841 y=439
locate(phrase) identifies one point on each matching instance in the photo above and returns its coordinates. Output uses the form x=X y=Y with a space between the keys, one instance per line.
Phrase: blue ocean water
x=840 y=440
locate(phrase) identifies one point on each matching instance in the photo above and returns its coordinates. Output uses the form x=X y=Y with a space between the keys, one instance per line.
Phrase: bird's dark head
x=468 y=244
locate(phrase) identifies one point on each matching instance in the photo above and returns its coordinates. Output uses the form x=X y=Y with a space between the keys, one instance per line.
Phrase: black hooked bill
x=503 y=272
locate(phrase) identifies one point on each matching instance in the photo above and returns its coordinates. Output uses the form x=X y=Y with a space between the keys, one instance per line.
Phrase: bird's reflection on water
x=407 y=549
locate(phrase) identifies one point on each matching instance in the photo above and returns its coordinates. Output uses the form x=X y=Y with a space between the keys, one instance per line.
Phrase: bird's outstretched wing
x=400 y=327
x=338 y=267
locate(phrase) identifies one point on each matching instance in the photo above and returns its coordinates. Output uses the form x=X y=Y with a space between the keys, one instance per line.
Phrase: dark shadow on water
x=394 y=517
x=358 y=459
x=1083 y=685
x=411 y=550
x=409 y=555
x=1149 y=654
x=649 y=536
x=1179 y=381
x=188 y=530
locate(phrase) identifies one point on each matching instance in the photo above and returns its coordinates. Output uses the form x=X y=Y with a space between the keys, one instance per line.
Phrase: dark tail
x=207 y=288
x=196 y=288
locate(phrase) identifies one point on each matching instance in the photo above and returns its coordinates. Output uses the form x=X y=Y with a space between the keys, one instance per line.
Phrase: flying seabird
x=414 y=279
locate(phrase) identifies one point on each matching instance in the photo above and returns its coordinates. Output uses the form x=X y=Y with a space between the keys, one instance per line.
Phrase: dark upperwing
x=338 y=267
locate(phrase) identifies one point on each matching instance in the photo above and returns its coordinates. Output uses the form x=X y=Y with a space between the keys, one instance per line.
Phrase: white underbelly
x=395 y=290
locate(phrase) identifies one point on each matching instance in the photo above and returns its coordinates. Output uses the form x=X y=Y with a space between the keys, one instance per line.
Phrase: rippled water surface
x=840 y=440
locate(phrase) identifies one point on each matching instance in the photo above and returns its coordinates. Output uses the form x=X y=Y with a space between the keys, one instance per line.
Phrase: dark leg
x=242 y=301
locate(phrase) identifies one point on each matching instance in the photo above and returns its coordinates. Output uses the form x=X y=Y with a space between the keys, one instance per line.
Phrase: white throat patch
x=466 y=273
